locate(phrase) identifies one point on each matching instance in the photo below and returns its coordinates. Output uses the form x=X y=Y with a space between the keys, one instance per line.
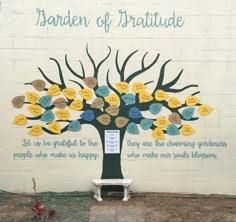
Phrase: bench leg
x=97 y=194
x=126 y=193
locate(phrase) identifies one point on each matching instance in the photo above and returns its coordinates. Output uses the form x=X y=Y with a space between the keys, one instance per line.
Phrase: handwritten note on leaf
x=20 y=120
x=205 y=109
x=175 y=118
x=39 y=84
x=158 y=133
x=36 y=130
x=162 y=122
x=112 y=110
x=63 y=114
x=187 y=130
x=113 y=99
x=132 y=128
x=155 y=108
x=35 y=110
x=123 y=87
x=77 y=104
x=121 y=121
x=161 y=95
x=192 y=100
x=74 y=126
x=86 y=93
x=174 y=103
x=54 y=127
x=138 y=87
x=45 y=101
x=91 y=82
x=18 y=101
x=54 y=90
x=69 y=93
x=48 y=116
x=103 y=91
x=145 y=97
x=32 y=97
x=60 y=103
x=104 y=119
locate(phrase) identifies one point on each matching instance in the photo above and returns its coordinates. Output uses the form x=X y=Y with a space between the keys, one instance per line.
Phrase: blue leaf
x=88 y=115
x=74 y=126
x=47 y=116
x=45 y=101
x=172 y=130
x=102 y=91
x=155 y=108
x=188 y=113
x=146 y=123
x=135 y=113
x=132 y=128
x=128 y=98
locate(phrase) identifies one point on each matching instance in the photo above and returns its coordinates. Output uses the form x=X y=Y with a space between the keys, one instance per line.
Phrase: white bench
x=98 y=183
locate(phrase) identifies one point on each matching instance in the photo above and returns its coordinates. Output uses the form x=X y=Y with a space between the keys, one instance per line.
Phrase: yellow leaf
x=63 y=114
x=69 y=93
x=174 y=102
x=192 y=100
x=145 y=97
x=161 y=95
x=162 y=122
x=123 y=87
x=139 y=87
x=54 y=90
x=76 y=105
x=35 y=110
x=113 y=99
x=20 y=120
x=54 y=127
x=187 y=130
x=36 y=130
x=86 y=93
x=205 y=109
x=158 y=133
x=32 y=97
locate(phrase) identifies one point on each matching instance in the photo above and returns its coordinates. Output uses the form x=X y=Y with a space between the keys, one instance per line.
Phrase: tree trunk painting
x=114 y=106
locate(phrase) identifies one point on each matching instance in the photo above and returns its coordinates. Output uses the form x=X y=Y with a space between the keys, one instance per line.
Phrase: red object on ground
x=38 y=208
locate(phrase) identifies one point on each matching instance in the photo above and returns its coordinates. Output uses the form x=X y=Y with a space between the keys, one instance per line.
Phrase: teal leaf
x=155 y=108
x=102 y=91
x=172 y=130
x=146 y=123
x=45 y=101
x=128 y=98
x=47 y=116
x=135 y=113
x=188 y=113
x=74 y=126
x=132 y=128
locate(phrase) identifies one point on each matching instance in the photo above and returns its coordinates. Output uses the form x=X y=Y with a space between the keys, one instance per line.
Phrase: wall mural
x=113 y=109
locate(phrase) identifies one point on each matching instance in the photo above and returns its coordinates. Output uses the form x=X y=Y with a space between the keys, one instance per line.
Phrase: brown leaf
x=60 y=103
x=112 y=110
x=39 y=84
x=18 y=101
x=175 y=118
x=98 y=103
x=104 y=119
x=121 y=121
x=91 y=82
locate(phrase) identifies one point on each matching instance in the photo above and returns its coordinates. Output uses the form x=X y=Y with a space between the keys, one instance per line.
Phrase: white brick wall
x=205 y=47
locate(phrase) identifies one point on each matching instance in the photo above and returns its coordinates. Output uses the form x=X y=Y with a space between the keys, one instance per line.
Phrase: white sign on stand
x=112 y=141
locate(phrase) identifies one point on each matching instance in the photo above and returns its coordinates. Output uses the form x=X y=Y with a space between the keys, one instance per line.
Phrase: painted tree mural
x=114 y=106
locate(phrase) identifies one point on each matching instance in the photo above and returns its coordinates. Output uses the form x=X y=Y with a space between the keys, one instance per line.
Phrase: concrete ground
x=153 y=208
